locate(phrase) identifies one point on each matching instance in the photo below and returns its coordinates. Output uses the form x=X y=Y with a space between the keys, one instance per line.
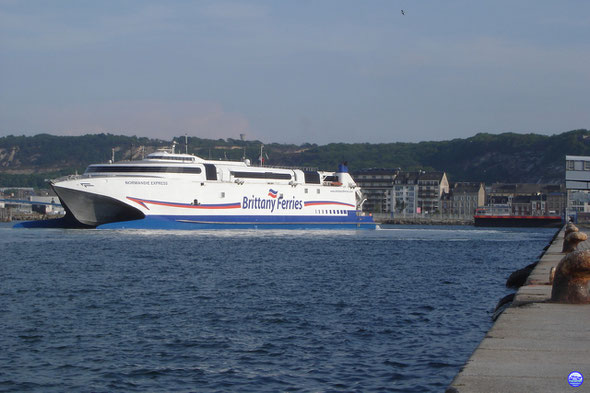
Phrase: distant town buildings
x=528 y=198
x=410 y=193
x=396 y=191
x=19 y=201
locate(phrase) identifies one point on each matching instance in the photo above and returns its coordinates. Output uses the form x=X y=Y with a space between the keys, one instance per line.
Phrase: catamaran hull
x=92 y=209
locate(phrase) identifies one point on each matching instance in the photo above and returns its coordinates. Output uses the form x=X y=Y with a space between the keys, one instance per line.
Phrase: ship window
x=210 y=172
x=141 y=169
x=312 y=177
x=318 y=190
x=306 y=190
x=223 y=194
x=262 y=175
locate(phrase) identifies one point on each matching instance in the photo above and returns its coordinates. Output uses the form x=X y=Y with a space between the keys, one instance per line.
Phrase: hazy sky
x=294 y=71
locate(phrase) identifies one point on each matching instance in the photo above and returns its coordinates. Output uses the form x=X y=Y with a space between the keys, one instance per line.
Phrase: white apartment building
x=577 y=183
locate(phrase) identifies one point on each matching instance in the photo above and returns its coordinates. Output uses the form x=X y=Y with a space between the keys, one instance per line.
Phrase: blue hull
x=244 y=222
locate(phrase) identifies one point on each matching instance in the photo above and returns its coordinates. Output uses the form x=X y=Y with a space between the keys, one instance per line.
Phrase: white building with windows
x=404 y=198
x=418 y=192
x=577 y=184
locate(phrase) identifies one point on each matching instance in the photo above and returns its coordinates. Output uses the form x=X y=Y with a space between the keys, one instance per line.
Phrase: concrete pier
x=535 y=344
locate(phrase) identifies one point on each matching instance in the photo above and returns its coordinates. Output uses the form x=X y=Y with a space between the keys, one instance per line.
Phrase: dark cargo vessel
x=485 y=220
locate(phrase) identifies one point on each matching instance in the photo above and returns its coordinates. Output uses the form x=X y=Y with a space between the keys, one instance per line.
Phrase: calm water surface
x=398 y=310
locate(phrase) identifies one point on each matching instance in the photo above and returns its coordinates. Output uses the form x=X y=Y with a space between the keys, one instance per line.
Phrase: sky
x=298 y=71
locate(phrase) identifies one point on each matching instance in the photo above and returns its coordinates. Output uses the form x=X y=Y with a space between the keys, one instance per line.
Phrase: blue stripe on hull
x=245 y=222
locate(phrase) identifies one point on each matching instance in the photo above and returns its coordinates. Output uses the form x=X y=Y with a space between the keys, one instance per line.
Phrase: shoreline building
x=577 y=184
x=464 y=198
x=405 y=194
x=529 y=205
x=418 y=192
x=376 y=184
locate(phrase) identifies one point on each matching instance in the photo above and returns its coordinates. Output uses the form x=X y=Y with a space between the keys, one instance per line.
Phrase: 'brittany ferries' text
x=272 y=204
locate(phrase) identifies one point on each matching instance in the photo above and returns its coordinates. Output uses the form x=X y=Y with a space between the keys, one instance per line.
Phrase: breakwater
x=536 y=344
x=9 y=215
x=434 y=219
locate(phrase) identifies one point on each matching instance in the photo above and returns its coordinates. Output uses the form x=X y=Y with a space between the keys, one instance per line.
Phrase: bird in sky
x=403 y=13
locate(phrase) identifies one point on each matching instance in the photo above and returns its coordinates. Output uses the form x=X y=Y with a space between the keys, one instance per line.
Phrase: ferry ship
x=167 y=190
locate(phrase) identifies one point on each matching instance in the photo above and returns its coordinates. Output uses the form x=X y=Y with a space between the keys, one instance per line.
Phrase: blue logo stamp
x=575 y=379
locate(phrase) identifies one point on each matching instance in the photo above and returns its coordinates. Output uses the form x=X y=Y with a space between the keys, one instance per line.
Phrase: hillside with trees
x=512 y=158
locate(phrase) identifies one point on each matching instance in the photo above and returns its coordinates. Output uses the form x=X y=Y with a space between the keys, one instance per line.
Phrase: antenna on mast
x=186 y=143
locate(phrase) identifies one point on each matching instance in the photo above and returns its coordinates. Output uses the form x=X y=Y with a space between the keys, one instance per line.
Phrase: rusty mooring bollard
x=572 y=279
x=570 y=227
x=571 y=241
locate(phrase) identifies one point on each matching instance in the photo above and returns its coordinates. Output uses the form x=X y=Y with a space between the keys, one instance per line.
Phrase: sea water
x=399 y=309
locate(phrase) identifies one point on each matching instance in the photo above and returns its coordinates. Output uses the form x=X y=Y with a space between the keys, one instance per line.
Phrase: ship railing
x=91 y=175
x=68 y=177
x=304 y=169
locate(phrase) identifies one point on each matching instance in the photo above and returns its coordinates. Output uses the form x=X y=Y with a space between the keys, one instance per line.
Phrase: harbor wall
x=432 y=219
x=8 y=215
x=535 y=344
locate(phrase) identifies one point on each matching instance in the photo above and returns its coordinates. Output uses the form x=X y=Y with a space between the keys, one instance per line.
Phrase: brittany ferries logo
x=275 y=202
